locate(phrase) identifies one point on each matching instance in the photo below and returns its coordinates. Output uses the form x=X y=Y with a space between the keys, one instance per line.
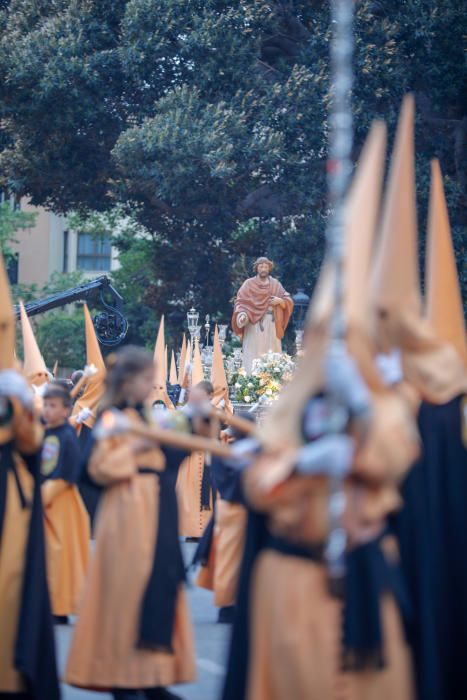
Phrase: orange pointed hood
x=443 y=298
x=173 y=378
x=183 y=361
x=197 y=373
x=360 y=220
x=95 y=386
x=160 y=369
x=93 y=350
x=34 y=367
x=7 y=321
x=397 y=319
x=395 y=283
x=218 y=376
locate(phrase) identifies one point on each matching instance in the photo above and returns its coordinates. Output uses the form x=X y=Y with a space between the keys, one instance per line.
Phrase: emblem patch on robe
x=50 y=452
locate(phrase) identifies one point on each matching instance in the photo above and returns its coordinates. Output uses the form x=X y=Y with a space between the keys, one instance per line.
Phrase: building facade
x=50 y=246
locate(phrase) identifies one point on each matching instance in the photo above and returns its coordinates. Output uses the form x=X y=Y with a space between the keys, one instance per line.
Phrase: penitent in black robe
x=432 y=534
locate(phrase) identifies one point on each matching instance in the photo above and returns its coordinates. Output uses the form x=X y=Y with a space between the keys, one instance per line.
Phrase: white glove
x=243 y=454
x=344 y=381
x=390 y=367
x=14 y=385
x=83 y=415
x=331 y=455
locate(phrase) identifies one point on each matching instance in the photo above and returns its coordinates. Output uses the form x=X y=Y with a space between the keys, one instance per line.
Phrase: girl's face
x=138 y=389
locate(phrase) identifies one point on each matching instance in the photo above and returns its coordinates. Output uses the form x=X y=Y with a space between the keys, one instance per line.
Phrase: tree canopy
x=207 y=120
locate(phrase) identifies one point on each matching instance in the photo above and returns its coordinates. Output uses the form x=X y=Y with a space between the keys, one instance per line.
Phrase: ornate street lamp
x=301 y=302
x=207 y=329
x=192 y=318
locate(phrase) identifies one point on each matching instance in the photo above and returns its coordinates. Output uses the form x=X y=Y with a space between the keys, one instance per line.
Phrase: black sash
x=167 y=574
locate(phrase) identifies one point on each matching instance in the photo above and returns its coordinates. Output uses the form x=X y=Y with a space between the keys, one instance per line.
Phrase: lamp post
x=192 y=318
x=207 y=328
x=206 y=353
x=301 y=302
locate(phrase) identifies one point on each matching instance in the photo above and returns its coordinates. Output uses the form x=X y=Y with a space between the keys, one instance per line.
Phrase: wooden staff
x=113 y=422
x=245 y=426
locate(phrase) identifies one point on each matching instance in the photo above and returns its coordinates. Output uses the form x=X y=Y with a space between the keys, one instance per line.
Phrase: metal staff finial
x=340 y=143
x=339 y=175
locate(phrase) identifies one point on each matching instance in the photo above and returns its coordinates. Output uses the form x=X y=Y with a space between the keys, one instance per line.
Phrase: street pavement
x=211 y=648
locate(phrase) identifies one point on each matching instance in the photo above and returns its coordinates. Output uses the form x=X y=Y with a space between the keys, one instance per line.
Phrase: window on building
x=66 y=239
x=93 y=253
x=12 y=270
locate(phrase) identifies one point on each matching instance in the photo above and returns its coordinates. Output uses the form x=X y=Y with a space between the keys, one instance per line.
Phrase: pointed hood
x=395 y=283
x=7 y=321
x=183 y=360
x=185 y=377
x=34 y=367
x=397 y=320
x=173 y=379
x=443 y=298
x=218 y=376
x=160 y=369
x=95 y=386
x=197 y=373
x=93 y=350
x=391 y=442
x=360 y=220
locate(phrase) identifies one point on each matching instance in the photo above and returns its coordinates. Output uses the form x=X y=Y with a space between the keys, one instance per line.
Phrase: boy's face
x=55 y=412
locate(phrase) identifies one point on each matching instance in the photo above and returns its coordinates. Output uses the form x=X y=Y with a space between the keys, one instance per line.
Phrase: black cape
x=60 y=457
x=35 y=647
x=90 y=491
x=432 y=533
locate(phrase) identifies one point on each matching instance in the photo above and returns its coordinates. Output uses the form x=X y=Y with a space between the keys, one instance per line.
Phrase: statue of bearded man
x=262 y=311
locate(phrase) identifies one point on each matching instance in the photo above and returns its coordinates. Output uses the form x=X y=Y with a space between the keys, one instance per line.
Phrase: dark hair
x=122 y=366
x=76 y=376
x=237 y=433
x=206 y=386
x=58 y=390
x=66 y=383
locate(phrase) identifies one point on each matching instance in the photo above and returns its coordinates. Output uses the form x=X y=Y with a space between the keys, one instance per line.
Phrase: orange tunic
x=192 y=517
x=223 y=568
x=12 y=559
x=14 y=536
x=103 y=651
x=68 y=535
x=295 y=645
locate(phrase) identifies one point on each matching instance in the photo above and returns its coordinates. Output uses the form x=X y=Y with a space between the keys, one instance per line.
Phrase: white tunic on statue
x=258 y=339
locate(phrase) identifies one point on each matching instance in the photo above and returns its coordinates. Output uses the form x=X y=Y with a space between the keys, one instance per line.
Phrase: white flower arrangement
x=269 y=373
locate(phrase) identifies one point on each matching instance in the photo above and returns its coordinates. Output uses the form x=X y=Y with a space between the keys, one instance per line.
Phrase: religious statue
x=262 y=311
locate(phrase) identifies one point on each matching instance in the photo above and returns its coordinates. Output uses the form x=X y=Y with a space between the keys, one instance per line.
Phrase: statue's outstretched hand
x=277 y=301
x=242 y=319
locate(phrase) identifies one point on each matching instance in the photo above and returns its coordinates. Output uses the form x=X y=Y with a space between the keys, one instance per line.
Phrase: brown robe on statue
x=254 y=299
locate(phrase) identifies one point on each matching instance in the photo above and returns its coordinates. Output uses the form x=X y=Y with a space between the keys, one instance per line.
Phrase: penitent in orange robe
x=105 y=652
x=20 y=438
x=67 y=526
